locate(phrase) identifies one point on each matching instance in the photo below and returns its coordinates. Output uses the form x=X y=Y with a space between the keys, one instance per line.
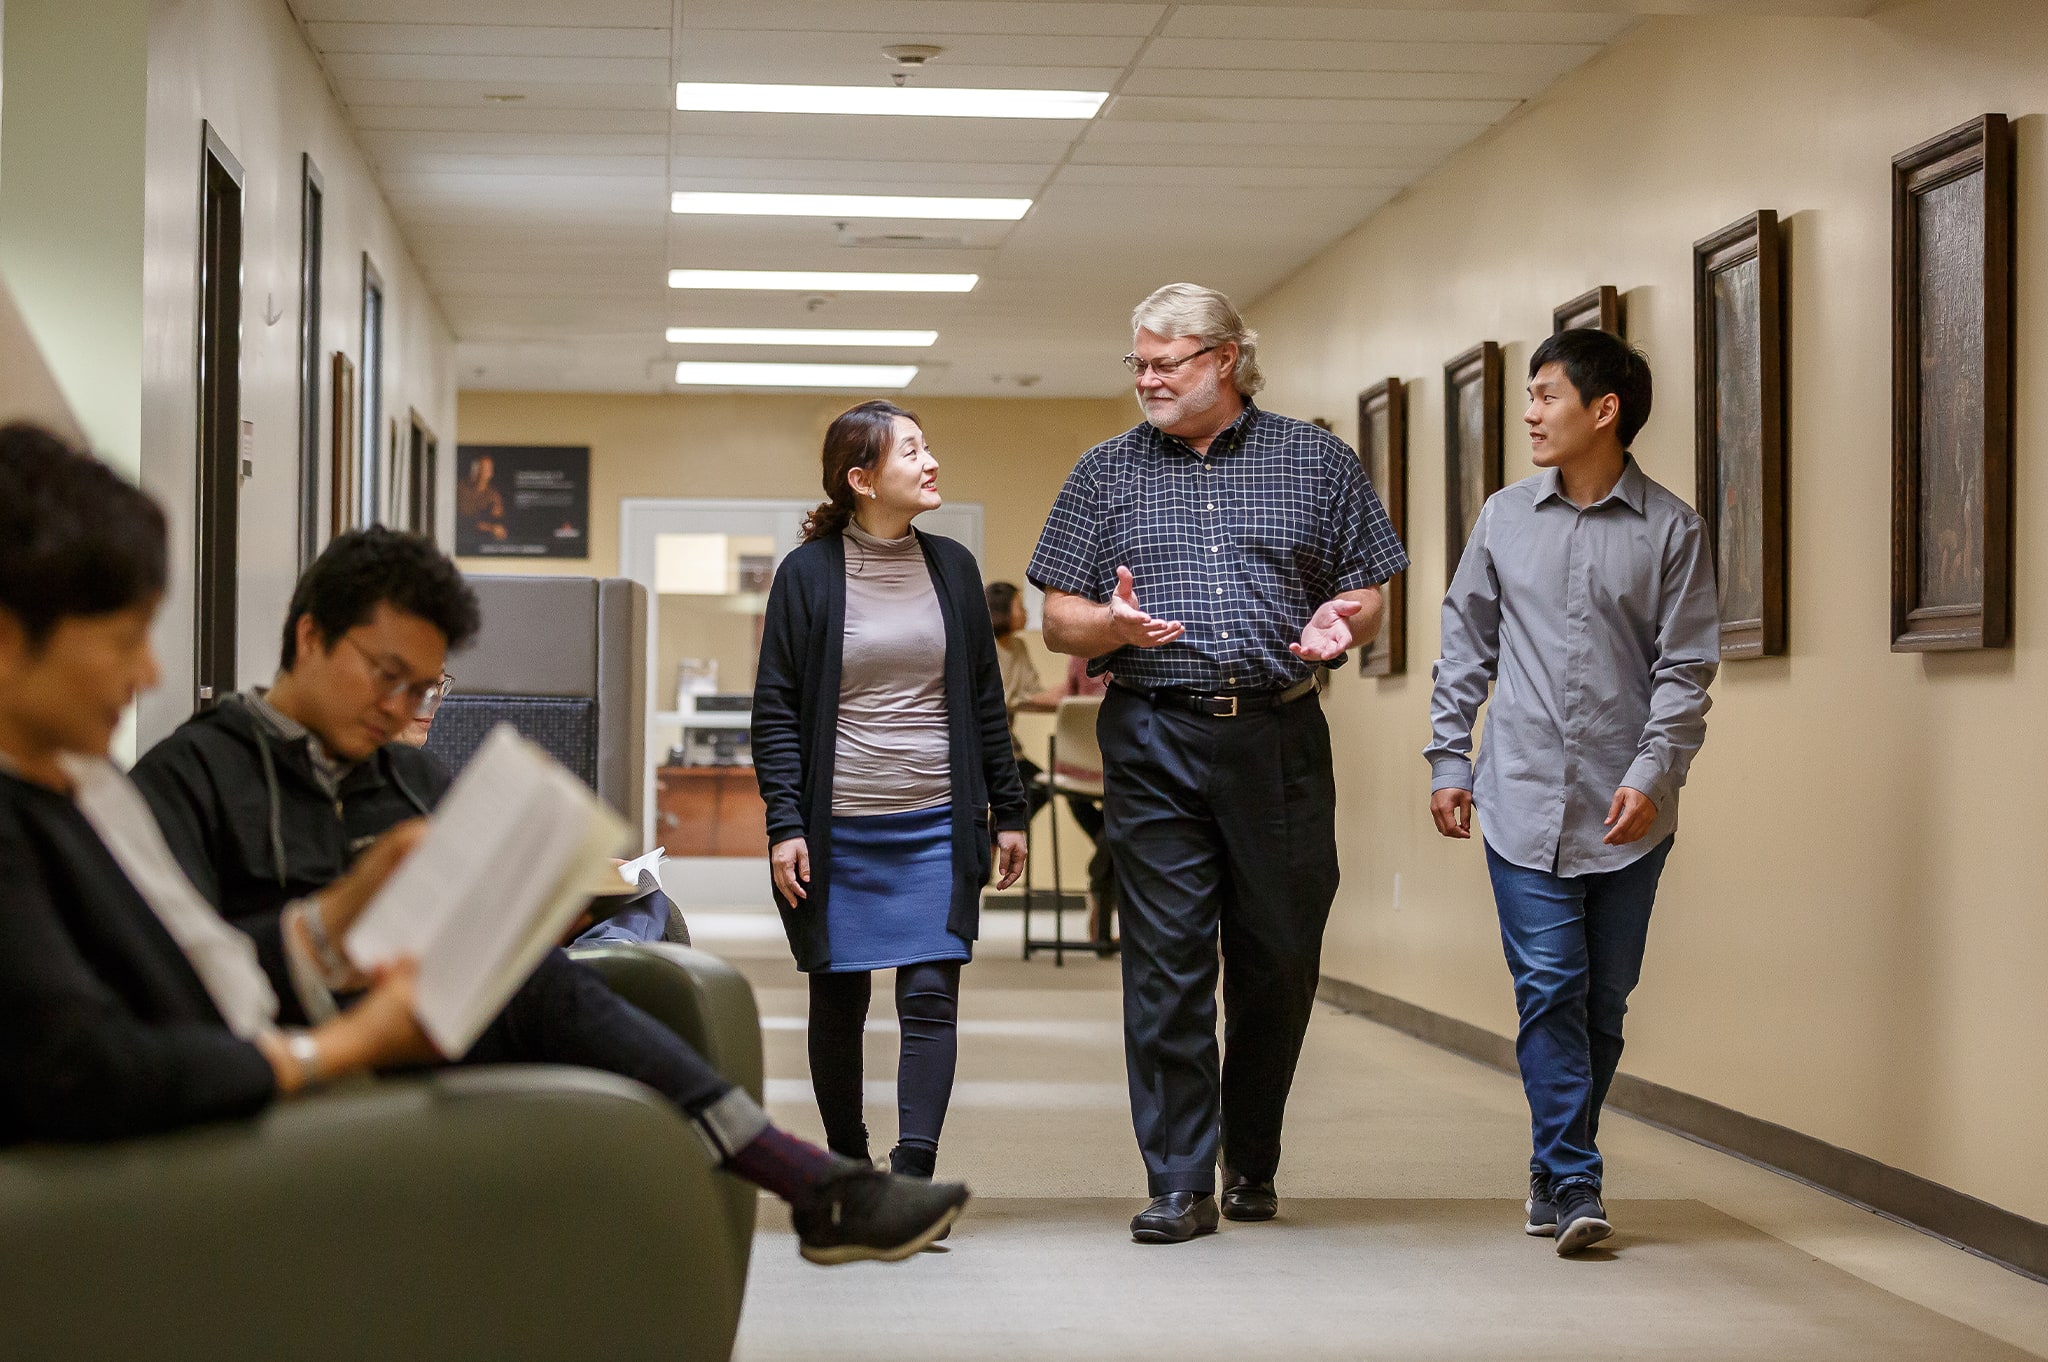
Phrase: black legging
x=928 y=1010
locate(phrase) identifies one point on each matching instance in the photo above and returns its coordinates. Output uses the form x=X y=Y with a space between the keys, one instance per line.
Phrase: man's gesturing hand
x=1133 y=626
x=1328 y=632
x=1629 y=817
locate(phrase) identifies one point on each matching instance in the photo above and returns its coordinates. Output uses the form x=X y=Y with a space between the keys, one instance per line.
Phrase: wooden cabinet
x=709 y=811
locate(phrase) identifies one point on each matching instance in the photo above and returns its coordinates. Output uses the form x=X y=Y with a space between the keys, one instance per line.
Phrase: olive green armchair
x=502 y=1213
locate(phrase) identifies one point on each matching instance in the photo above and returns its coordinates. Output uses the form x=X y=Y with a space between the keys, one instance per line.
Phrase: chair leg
x=1027 y=891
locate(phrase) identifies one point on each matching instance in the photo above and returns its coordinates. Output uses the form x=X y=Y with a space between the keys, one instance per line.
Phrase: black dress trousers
x=1223 y=833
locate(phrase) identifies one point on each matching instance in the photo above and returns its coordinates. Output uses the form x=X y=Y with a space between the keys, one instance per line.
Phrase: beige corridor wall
x=1853 y=936
x=244 y=67
x=1010 y=454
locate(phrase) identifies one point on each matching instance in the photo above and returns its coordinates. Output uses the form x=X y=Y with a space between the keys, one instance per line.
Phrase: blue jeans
x=646 y=919
x=1575 y=948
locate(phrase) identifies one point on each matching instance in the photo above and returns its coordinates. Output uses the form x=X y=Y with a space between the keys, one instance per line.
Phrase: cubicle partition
x=564 y=661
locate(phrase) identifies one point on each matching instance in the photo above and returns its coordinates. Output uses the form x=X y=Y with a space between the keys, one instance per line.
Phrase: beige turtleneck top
x=893 y=752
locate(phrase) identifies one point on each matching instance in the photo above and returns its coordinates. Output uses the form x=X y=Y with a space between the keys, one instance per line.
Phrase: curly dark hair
x=76 y=539
x=363 y=569
x=857 y=438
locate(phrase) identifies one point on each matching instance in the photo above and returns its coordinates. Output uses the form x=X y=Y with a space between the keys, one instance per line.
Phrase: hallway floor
x=1400 y=1228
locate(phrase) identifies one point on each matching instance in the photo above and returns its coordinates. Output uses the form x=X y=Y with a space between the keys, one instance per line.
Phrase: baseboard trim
x=2011 y=1240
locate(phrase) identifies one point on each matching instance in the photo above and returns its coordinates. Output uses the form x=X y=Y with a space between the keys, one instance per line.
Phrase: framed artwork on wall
x=1739 y=392
x=1953 y=229
x=1472 y=449
x=522 y=501
x=1598 y=309
x=1383 y=449
x=345 y=461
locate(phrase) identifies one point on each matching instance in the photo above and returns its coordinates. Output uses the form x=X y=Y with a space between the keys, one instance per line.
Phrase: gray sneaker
x=1581 y=1219
x=1541 y=1210
x=864 y=1213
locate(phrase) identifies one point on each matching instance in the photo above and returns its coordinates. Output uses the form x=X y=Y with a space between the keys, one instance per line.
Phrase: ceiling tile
x=1373 y=23
x=1260 y=54
x=506 y=73
x=1470 y=113
x=494 y=40
x=549 y=13
x=448 y=94
x=1205 y=83
x=931 y=18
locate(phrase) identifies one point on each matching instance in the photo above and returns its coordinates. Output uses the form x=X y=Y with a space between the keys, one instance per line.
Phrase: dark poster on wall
x=522 y=501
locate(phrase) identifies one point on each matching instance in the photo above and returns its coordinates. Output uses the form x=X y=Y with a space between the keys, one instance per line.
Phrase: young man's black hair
x=1597 y=364
x=364 y=568
x=75 y=538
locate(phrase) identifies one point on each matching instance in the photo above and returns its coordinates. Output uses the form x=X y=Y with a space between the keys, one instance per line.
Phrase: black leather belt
x=1231 y=705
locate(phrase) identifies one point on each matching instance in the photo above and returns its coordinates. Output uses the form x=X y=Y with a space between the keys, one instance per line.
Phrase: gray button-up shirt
x=1600 y=631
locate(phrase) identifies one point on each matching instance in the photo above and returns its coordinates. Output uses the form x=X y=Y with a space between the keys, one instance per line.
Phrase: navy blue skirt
x=892 y=889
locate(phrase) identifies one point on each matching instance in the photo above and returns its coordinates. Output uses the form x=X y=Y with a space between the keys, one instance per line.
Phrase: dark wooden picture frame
x=1953 y=229
x=1472 y=444
x=345 y=460
x=1596 y=308
x=1739 y=395
x=1383 y=450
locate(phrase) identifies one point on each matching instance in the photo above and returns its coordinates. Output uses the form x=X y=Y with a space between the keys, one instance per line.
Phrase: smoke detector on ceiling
x=909 y=58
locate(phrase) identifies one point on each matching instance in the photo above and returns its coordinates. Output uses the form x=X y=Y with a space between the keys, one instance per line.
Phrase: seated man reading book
x=128 y=1006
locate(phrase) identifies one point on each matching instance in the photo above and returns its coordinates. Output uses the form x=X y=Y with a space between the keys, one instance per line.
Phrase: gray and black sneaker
x=1541 y=1210
x=1581 y=1219
x=864 y=1213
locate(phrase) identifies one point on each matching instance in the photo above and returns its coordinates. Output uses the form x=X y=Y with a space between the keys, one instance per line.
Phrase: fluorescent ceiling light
x=848 y=206
x=823 y=281
x=708 y=374
x=905 y=100
x=771 y=335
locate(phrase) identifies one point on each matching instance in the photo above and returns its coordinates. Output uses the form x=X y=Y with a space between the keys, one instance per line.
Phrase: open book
x=510 y=860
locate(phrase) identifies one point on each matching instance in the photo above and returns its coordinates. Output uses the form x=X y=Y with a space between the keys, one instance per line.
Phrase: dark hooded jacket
x=250 y=822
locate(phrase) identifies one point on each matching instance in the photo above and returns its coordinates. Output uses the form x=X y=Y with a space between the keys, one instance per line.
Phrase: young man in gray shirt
x=1586 y=598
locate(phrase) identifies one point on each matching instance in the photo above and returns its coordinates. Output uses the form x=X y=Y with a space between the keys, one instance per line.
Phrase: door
x=219 y=380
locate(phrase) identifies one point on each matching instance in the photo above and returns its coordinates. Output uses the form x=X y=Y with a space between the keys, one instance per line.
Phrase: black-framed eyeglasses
x=421 y=697
x=1165 y=368
x=435 y=694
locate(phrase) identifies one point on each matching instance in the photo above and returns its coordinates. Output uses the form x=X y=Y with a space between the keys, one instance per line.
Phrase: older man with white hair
x=1257 y=546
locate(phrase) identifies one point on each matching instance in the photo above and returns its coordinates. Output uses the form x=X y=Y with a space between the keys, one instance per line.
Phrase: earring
x=871 y=494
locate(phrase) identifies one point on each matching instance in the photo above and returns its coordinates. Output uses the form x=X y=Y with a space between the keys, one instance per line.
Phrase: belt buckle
x=1230 y=713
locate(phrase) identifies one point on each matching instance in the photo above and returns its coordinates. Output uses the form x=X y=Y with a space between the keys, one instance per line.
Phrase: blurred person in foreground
x=128 y=1006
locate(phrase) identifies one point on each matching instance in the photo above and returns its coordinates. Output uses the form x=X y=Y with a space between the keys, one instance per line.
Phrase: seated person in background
x=646 y=916
x=1024 y=692
x=128 y=1006
x=1079 y=682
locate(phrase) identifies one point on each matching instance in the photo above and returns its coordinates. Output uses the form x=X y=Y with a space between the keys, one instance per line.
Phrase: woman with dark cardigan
x=882 y=747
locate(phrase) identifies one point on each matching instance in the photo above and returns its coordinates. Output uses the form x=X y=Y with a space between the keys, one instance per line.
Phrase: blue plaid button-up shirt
x=1241 y=545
